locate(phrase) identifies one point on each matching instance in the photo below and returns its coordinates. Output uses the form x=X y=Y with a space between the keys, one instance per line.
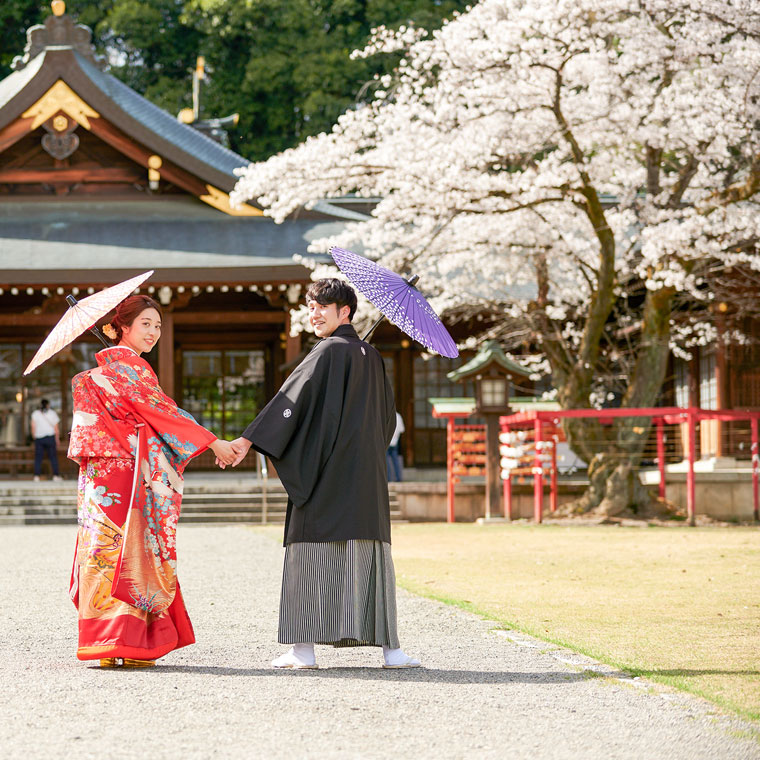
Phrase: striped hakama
x=339 y=592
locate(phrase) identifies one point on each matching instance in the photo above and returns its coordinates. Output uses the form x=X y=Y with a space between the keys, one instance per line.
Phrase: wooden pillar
x=538 y=474
x=691 y=423
x=493 y=466
x=405 y=399
x=65 y=425
x=721 y=382
x=166 y=354
x=659 y=422
x=292 y=343
x=755 y=469
x=553 y=497
x=506 y=486
x=450 y=478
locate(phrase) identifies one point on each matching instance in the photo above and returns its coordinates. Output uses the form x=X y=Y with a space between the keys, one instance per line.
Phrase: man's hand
x=240 y=446
x=225 y=454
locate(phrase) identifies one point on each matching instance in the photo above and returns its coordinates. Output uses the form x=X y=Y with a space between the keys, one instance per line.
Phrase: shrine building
x=97 y=185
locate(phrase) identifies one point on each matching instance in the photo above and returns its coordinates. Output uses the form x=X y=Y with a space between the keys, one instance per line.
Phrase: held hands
x=239 y=448
x=225 y=454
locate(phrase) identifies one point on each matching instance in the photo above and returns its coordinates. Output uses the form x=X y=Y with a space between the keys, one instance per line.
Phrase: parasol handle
x=94 y=330
x=411 y=282
x=369 y=332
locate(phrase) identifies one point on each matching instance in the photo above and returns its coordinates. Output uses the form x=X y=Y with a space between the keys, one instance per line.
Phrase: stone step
x=25 y=501
x=28 y=493
x=38 y=520
x=232 y=498
x=252 y=518
x=64 y=509
x=242 y=509
x=274 y=518
x=47 y=498
x=254 y=500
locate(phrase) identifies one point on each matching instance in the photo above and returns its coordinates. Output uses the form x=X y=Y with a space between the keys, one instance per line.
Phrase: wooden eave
x=187 y=276
x=100 y=114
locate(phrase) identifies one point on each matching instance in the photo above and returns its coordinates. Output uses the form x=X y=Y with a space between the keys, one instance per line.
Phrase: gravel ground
x=482 y=694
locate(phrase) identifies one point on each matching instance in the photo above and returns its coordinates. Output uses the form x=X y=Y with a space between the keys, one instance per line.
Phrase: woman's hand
x=225 y=454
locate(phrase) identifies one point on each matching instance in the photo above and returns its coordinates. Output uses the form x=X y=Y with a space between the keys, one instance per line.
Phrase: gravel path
x=482 y=694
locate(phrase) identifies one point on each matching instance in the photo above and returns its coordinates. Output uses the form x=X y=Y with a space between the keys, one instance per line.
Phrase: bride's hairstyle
x=129 y=310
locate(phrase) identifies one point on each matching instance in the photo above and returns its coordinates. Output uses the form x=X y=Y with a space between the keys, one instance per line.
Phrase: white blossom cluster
x=529 y=148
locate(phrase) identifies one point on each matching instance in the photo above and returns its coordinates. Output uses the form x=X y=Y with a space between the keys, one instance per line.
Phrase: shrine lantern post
x=493 y=375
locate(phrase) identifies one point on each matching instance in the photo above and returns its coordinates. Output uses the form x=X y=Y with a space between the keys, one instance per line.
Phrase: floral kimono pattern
x=132 y=443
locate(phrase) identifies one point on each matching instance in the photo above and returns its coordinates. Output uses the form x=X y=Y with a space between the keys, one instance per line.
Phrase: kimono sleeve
x=298 y=428
x=183 y=436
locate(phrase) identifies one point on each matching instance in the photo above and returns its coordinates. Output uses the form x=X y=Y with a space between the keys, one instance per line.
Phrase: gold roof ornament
x=58 y=7
x=186 y=116
x=220 y=200
x=60 y=97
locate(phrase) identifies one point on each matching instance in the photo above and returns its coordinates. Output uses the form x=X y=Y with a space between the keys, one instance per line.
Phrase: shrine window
x=223 y=390
x=681 y=381
x=708 y=385
x=20 y=395
x=430 y=381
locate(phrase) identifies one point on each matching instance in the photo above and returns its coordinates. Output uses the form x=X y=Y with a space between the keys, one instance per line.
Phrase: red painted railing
x=538 y=422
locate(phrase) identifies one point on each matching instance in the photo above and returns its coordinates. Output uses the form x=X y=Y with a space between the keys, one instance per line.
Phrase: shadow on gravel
x=679 y=672
x=423 y=675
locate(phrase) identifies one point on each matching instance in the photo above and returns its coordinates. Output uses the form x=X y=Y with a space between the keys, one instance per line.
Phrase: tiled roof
x=168 y=233
x=163 y=125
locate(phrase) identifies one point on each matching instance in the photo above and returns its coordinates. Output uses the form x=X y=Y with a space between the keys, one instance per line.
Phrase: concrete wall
x=720 y=495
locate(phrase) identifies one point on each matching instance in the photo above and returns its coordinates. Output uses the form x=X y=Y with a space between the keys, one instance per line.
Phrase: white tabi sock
x=397 y=657
x=298 y=656
x=305 y=653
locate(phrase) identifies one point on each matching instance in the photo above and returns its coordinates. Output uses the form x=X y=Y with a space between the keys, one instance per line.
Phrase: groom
x=327 y=431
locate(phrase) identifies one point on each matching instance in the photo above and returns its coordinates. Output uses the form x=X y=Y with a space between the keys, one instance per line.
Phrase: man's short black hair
x=44 y=403
x=331 y=290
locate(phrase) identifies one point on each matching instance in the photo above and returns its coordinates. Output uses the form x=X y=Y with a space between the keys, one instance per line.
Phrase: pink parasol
x=82 y=316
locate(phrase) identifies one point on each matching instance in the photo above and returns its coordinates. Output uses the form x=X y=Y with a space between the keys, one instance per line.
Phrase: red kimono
x=132 y=443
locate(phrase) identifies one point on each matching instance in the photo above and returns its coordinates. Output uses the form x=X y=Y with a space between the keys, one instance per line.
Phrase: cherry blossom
x=583 y=171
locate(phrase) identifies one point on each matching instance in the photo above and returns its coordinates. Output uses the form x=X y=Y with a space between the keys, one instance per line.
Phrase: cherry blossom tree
x=583 y=171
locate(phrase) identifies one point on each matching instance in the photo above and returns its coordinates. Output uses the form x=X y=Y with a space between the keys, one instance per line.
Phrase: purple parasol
x=399 y=301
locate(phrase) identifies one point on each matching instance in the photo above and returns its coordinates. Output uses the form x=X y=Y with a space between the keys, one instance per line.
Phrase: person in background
x=392 y=456
x=46 y=437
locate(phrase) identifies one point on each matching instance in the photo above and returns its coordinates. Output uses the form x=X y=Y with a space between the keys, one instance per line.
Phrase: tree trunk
x=614 y=452
x=614 y=487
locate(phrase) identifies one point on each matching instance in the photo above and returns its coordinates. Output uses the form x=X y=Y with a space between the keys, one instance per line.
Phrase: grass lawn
x=677 y=605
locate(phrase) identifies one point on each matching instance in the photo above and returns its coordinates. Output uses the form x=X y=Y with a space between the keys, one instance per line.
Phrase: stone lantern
x=493 y=374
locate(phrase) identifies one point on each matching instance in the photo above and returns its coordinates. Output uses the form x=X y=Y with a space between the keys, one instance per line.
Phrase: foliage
x=585 y=170
x=15 y=18
x=284 y=67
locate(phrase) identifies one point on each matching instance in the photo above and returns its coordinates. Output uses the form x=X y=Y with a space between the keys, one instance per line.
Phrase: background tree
x=16 y=16
x=286 y=66
x=283 y=66
x=584 y=170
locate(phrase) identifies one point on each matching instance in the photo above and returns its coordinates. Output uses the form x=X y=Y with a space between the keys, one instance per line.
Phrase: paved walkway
x=482 y=695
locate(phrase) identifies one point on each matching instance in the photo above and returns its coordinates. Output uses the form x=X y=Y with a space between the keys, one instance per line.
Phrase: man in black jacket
x=327 y=431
